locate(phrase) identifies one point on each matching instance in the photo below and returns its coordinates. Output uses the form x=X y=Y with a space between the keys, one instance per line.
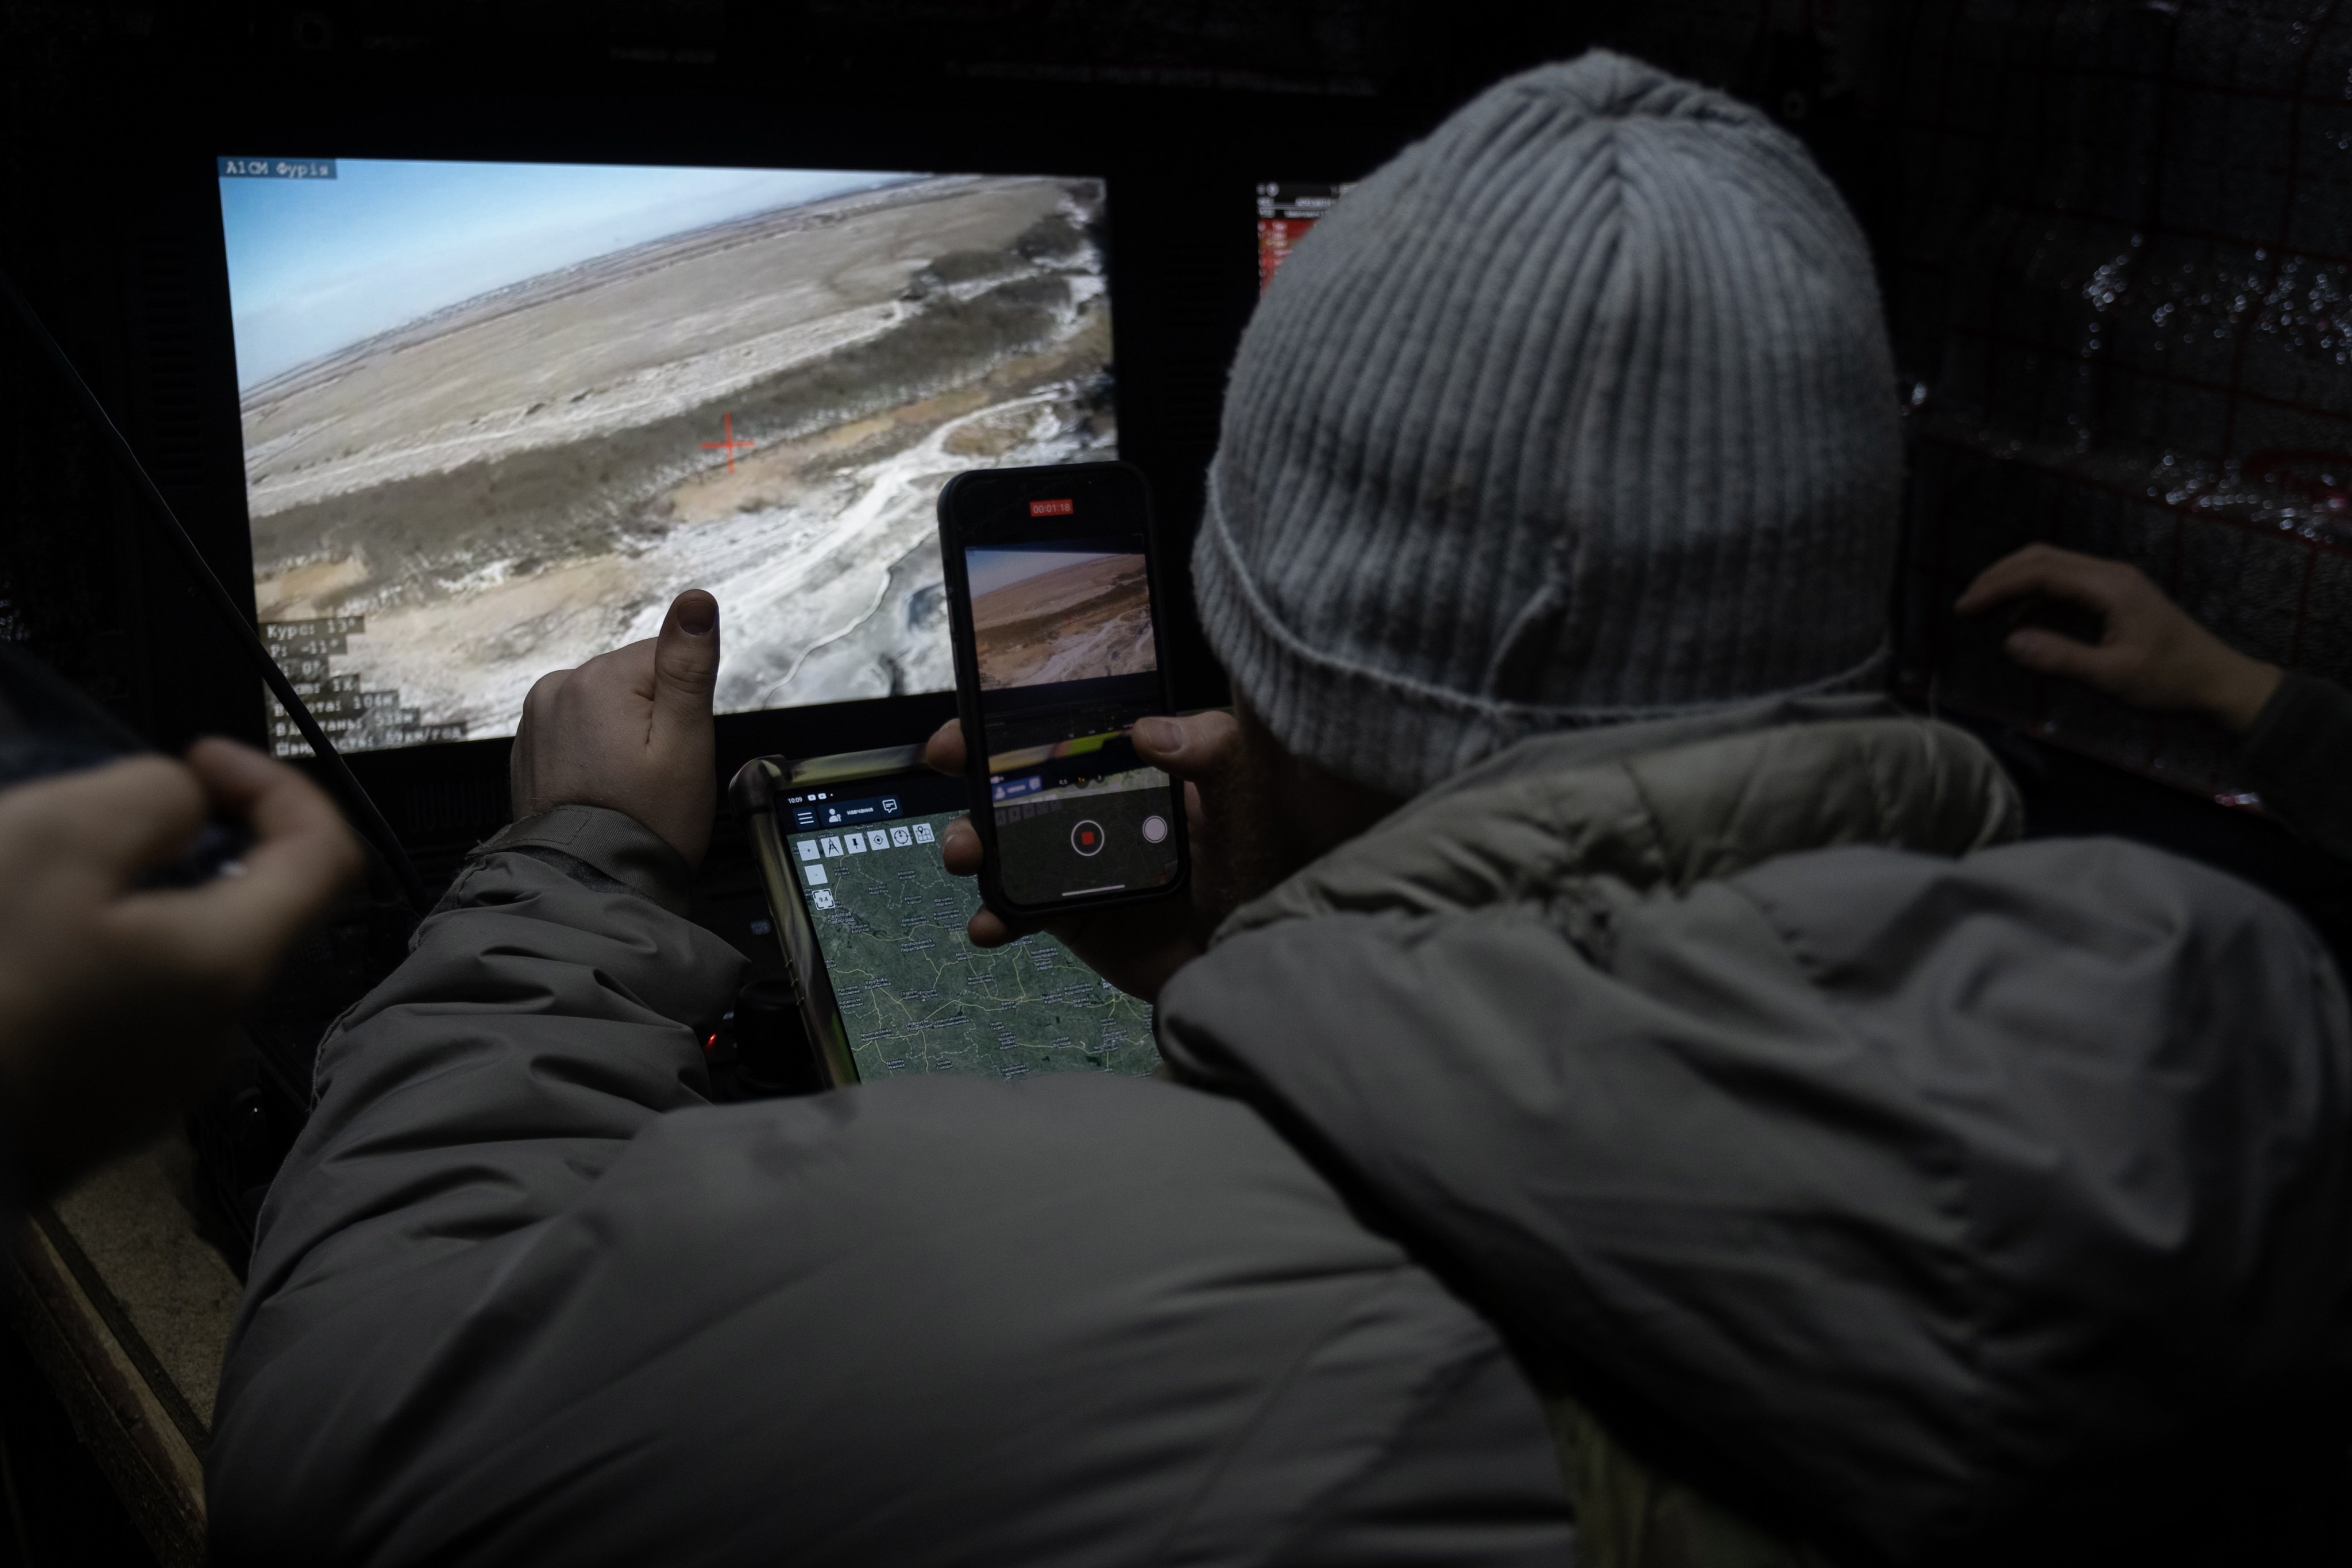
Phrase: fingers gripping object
x=336 y=775
x=48 y=728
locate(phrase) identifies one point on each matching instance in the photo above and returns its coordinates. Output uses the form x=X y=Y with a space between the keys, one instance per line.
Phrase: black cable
x=339 y=777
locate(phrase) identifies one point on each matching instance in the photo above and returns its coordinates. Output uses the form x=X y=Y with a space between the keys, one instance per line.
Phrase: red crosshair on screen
x=729 y=444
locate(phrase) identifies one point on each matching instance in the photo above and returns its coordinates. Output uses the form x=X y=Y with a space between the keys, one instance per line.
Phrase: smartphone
x=1055 y=608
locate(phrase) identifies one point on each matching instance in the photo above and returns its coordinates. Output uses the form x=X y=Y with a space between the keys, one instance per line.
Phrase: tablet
x=872 y=926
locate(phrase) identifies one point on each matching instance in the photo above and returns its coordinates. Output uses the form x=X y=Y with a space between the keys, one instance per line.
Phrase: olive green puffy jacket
x=1898 y=1192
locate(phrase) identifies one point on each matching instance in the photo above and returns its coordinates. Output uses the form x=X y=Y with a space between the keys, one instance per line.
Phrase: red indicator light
x=1051 y=508
x=1086 y=839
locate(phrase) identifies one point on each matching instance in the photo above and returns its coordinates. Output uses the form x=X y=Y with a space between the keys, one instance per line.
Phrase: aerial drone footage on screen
x=496 y=415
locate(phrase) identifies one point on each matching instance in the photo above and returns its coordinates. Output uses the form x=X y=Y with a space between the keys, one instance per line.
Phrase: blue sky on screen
x=317 y=265
x=989 y=567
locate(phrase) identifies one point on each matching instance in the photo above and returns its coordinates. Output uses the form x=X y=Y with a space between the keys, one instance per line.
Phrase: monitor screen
x=496 y=415
x=915 y=996
x=1285 y=213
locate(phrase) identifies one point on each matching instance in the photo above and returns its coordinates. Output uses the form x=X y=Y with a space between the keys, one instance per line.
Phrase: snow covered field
x=524 y=481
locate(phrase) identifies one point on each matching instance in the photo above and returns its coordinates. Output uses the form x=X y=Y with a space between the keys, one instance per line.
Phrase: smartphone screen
x=1057 y=654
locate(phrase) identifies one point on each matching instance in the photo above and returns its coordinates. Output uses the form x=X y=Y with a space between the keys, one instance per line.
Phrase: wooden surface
x=125 y=1302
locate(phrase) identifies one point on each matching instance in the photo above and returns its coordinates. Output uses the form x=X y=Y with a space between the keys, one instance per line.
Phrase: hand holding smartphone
x=1054 y=591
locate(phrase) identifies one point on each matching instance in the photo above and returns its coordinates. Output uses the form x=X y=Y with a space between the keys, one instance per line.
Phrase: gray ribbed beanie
x=1580 y=411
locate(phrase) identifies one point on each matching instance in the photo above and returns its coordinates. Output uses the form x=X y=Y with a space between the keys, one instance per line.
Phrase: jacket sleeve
x=520 y=1298
x=548 y=1012
x=2299 y=752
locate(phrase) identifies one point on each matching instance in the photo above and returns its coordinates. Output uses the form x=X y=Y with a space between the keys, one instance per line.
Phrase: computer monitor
x=1286 y=211
x=496 y=415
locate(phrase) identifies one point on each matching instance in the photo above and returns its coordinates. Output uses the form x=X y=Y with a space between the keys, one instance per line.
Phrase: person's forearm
x=2233 y=688
x=2299 y=752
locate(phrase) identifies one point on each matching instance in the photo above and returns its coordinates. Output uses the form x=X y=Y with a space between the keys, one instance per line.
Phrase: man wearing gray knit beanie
x=1847 y=1176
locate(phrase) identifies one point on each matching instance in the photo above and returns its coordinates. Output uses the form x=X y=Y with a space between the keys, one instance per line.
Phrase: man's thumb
x=1193 y=748
x=686 y=657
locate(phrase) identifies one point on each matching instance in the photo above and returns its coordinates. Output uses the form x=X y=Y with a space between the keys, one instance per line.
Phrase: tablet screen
x=915 y=996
